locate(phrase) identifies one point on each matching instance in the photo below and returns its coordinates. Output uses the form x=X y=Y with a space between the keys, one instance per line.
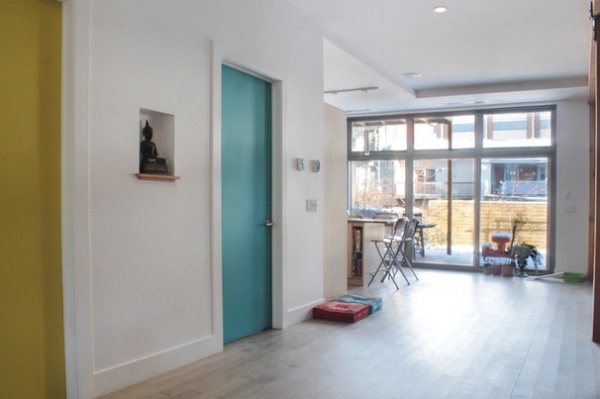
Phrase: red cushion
x=338 y=311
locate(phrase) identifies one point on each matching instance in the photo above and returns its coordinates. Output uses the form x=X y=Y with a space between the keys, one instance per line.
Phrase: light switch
x=316 y=165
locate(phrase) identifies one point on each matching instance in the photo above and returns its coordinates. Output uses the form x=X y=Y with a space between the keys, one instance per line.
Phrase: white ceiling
x=480 y=52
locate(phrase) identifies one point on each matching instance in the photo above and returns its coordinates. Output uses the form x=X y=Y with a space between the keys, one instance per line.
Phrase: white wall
x=147 y=278
x=335 y=169
x=572 y=204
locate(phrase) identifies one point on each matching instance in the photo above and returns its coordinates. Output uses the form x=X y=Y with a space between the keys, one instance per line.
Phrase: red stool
x=500 y=239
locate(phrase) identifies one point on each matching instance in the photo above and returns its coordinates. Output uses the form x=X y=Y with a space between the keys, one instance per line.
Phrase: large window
x=519 y=129
x=465 y=176
x=444 y=132
x=377 y=184
x=378 y=135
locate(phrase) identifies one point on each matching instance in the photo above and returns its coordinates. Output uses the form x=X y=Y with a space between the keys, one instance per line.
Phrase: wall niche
x=156 y=151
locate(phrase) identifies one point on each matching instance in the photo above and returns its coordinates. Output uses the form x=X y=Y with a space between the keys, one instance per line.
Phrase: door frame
x=219 y=58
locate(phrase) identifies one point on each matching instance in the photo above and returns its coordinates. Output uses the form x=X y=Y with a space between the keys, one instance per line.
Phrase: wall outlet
x=312 y=205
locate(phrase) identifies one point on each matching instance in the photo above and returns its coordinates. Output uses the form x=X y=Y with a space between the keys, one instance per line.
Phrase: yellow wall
x=31 y=319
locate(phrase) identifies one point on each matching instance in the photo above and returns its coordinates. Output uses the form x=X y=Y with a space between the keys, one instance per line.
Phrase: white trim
x=215 y=188
x=75 y=199
x=279 y=203
x=302 y=313
x=68 y=272
x=114 y=378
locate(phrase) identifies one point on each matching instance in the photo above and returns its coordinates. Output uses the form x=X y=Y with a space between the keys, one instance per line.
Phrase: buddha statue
x=150 y=162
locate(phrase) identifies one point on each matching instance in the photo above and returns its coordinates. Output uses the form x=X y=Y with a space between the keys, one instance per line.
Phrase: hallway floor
x=448 y=335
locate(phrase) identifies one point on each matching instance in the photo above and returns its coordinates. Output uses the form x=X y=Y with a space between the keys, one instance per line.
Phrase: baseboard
x=301 y=313
x=124 y=375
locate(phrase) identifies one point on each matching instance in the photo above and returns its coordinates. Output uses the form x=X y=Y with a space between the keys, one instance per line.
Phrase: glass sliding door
x=515 y=190
x=443 y=190
x=444 y=203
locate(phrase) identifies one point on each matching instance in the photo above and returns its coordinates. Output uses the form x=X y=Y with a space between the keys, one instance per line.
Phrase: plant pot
x=508 y=270
x=496 y=270
x=487 y=268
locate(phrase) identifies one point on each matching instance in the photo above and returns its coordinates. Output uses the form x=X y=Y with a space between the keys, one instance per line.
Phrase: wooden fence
x=496 y=216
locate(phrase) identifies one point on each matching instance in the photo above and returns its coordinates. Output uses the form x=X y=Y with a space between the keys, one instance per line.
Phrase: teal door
x=246 y=203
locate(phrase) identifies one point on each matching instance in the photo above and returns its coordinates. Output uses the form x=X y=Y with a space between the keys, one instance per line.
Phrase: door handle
x=269 y=223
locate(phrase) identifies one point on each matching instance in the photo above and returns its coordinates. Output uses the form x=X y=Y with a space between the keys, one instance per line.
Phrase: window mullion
x=477 y=187
x=409 y=166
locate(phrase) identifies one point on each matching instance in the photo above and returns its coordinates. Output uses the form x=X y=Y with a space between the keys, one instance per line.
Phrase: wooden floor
x=449 y=335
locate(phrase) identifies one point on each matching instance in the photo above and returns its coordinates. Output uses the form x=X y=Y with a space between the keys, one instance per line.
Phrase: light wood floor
x=449 y=335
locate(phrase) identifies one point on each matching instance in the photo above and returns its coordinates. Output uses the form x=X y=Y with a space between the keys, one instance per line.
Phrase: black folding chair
x=405 y=247
x=388 y=248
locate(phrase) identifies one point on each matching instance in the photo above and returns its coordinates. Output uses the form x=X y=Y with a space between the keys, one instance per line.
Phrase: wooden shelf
x=362 y=254
x=148 y=176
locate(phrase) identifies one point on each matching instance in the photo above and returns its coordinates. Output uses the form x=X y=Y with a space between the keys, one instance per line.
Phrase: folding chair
x=406 y=245
x=387 y=248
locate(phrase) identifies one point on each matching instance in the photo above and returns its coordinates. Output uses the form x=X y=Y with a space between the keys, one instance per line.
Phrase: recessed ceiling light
x=440 y=9
x=412 y=75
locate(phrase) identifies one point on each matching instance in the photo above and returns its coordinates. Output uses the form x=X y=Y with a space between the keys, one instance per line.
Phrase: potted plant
x=523 y=251
x=520 y=252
